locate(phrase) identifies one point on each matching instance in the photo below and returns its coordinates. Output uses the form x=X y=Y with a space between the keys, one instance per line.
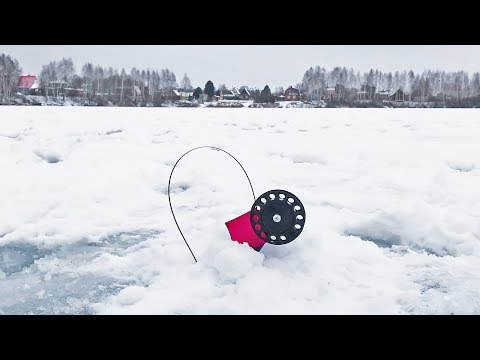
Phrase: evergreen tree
x=197 y=92
x=266 y=95
x=209 y=89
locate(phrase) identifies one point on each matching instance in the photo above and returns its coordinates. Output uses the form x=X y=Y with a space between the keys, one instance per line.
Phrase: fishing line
x=170 y=178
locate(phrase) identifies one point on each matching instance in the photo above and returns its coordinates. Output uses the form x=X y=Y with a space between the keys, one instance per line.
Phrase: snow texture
x=391 y=197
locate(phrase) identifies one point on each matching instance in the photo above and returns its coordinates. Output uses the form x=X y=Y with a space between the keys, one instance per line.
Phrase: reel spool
x=277 y=217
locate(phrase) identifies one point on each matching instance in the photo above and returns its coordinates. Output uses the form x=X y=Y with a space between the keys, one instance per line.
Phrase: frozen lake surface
x=391 y=195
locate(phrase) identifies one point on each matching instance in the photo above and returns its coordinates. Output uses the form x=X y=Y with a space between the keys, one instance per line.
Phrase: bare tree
x=49 y=78
x=123 y=75
x=278 y=90
x=186 y=84
x=411 y=83
x=98 y=76
x=9 y=74
x=87 y=73
x=167 y=79
x=476 y=84
x=66 y=70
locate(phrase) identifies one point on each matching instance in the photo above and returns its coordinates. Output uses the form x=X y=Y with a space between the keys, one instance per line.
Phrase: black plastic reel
x=277 y=217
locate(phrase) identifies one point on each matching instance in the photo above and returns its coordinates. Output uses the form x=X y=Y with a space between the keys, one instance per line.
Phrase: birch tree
x=186 y=84
x=9 y=74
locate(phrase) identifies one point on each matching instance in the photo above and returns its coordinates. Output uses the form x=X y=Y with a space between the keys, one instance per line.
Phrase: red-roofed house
x=292 y=94
x=27 y=84
x=244 y=94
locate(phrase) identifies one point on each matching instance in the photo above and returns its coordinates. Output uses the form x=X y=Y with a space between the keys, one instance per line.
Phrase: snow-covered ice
x=391 y=196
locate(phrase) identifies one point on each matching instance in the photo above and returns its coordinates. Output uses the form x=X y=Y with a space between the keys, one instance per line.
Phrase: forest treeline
x=96 y=85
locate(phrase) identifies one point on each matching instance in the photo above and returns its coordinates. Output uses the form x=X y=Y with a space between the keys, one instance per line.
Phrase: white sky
x=252 y=65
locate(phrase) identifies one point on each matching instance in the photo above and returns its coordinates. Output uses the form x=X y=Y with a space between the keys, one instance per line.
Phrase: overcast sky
x=252 y=65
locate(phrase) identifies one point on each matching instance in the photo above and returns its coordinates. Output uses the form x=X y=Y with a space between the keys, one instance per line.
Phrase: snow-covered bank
x=393 y=210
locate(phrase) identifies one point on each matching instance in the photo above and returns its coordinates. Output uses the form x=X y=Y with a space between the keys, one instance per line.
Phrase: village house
x=367 y=92
x=236 y=93
x=334 y=93
x=227 y=94
x=398 y=96
x=233 y=94
x=388 y=95
x=291 y=94
x=56 y=87
x=183 y=95
x=244 y=94
x=172 y=95
x=73 y=93
x=28 y=85
x=384 y=95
